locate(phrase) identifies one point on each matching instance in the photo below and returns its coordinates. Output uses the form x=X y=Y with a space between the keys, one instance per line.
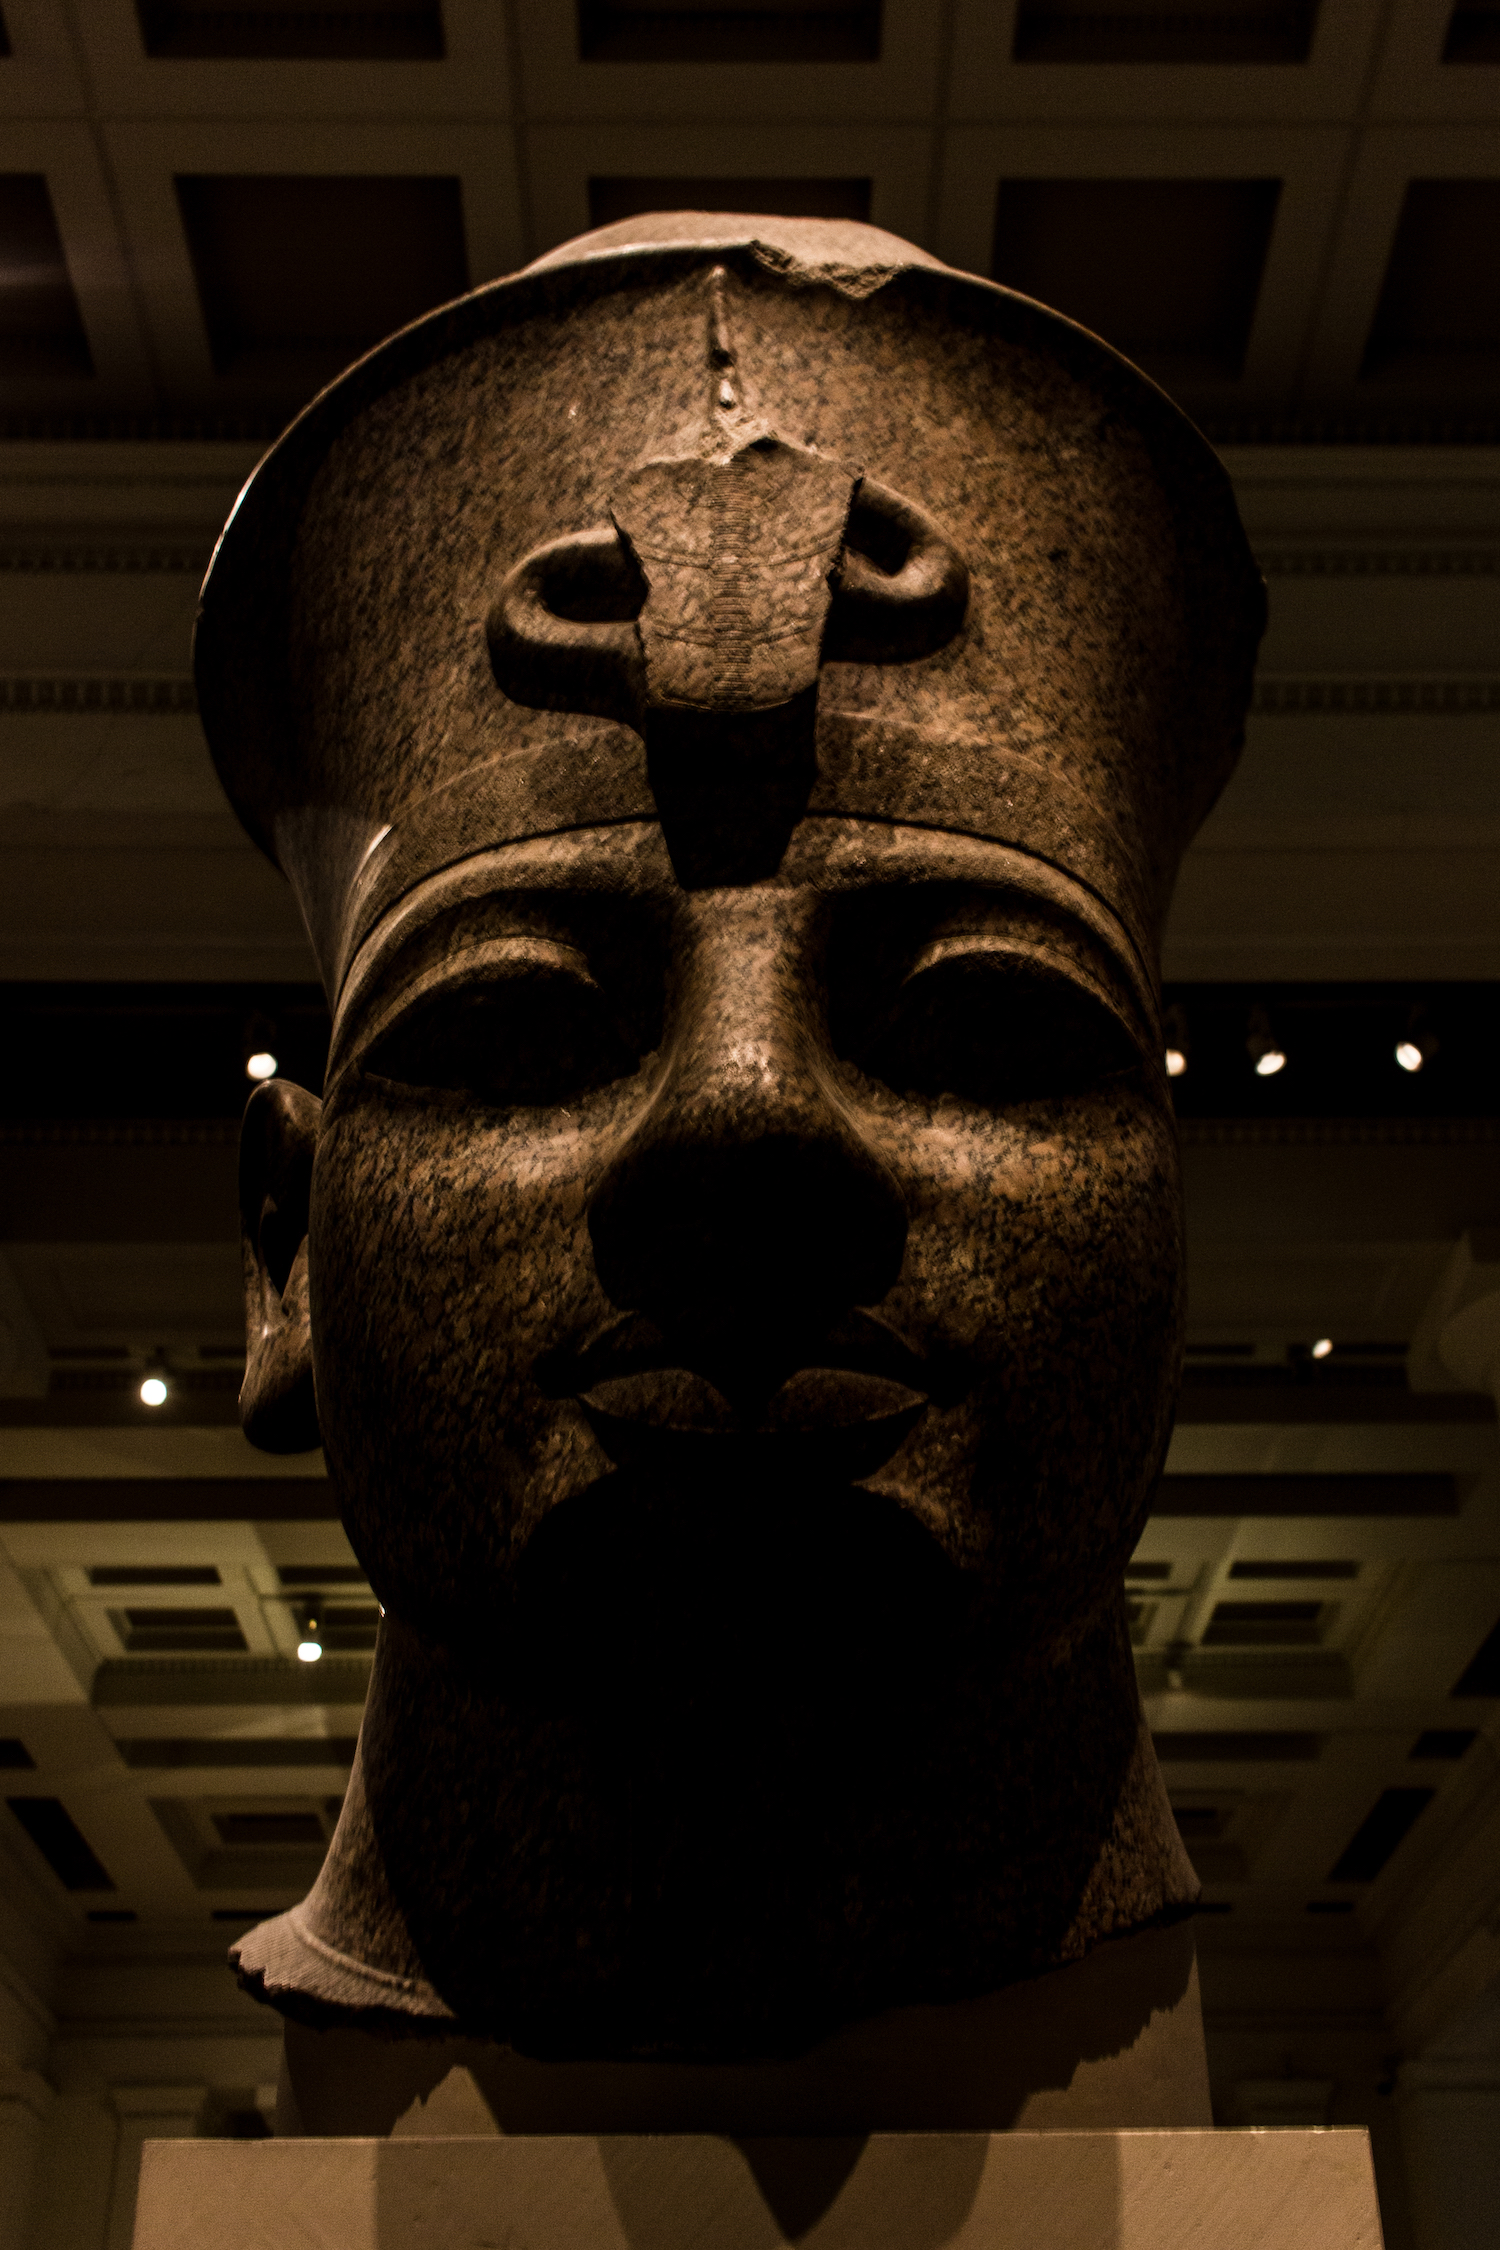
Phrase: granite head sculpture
x=730 y=701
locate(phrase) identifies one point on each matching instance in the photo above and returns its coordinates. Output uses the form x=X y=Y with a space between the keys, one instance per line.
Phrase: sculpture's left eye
x=535 y=1039
x=996 y=1028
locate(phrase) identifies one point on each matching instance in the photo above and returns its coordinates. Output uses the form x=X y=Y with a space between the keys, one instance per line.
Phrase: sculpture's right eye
x=536 y=1038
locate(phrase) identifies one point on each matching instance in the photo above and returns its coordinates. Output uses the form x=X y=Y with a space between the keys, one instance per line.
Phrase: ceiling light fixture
x=1322 y=1347
x=1174 y=1029
x=155 y=1388
x=310 y=1647
x=1263 y=1047
x=258 y=1046
x=1419 y=1045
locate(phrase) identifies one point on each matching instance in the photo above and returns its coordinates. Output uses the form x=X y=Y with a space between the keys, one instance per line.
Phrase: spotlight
x=310 y=1647
x=1418 y=1046
x=258 y=1046
x=154 y=1385
x=1174 y=1028
x=1176 y=1062
x=1322 y=1347
x=1263 y=1047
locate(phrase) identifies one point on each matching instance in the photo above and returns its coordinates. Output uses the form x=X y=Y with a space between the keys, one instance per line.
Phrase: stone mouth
x=746 y=1359
x=844 y=1421
x=812 y=1400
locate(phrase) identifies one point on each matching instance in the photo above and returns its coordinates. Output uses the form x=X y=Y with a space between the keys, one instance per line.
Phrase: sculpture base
x=891 y=2191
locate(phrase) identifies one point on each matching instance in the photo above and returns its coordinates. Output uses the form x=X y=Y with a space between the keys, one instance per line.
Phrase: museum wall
x=1310 y=259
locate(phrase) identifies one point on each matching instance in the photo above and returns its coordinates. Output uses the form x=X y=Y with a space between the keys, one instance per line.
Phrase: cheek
x=445 y=1262
x=1019 y=1228
x=1044 y=1278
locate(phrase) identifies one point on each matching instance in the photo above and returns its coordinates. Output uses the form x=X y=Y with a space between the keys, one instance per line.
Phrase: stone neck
x=561 y=1883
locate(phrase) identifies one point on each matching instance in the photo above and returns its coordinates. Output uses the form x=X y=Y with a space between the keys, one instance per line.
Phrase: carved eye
x=996 y=1028
x=533 y=1033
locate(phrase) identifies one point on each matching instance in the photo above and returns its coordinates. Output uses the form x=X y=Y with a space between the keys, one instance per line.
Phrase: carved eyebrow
x=1084 y=971
x=538 y=886
x=998 y=913
x=417 y=961
x=1114 y=965
x=851 y=855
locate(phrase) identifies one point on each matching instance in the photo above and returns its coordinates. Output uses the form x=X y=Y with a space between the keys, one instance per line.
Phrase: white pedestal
x=1279 y=2190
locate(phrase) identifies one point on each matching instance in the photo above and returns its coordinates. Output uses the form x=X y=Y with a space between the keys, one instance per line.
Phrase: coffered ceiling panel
x=272 y=31
x=372 y=253
x=627 y=195
x=39 y=73
x=1035 y=60
x=85 y=266
x=1437 y=61
x=1057 y=31
x=1253 y=247
x=41 y=329
x=1169 y=270
x=470 y=77
x=605 y=74
x=563 y=159
x=1387 y=162
x=257 y=256
x=1438 y=317
x=525 y=107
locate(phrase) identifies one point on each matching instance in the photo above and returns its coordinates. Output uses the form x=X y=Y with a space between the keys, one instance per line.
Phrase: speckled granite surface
x=731 y=710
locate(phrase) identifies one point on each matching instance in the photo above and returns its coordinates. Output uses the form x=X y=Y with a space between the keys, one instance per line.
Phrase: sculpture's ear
x=278 y=1411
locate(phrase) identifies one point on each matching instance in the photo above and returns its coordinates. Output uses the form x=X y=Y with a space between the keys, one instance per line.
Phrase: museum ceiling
x=1290 y=213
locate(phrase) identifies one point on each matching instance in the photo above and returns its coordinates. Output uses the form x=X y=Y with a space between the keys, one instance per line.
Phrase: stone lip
x=839 y=1404
x=824 y=1420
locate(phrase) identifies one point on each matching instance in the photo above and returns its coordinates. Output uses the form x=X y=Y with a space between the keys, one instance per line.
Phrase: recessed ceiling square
x=1473 y=33
x=1438 y=318
x=615 y=198
x=1142 y=31
x=283 y=31
x=41 y=328
x=297 y=275
x=729 y=31
x=1168 y=271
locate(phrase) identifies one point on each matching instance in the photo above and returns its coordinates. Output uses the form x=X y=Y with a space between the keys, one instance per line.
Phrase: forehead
x=562 y=875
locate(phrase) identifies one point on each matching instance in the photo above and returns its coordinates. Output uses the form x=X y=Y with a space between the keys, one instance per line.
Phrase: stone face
x=731 y=710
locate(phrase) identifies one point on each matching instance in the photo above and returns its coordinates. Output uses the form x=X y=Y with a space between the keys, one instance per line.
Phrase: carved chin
x=636 y=1587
